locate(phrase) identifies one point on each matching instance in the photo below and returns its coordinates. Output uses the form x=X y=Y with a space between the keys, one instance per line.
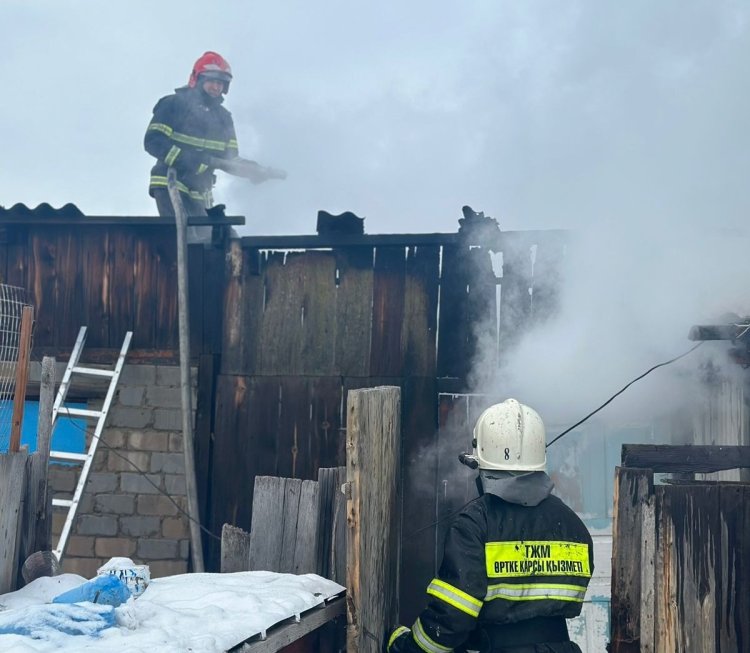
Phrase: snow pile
x=198 y=612
x=45 y=622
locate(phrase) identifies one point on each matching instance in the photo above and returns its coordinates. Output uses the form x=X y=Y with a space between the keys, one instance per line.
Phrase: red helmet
x=211 y=65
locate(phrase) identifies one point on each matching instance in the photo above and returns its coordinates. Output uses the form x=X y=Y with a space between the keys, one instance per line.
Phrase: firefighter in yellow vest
x=517 y=560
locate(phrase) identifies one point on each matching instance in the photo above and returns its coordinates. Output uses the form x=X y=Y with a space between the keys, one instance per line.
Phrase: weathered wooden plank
x=331 y=524
x=233 y=463
x=648 y=574
x=122 y=301
x=665 y=589
x=36 y=521
x=328 y=439
x=282 y=329
x=145 y=274
x=419 y=472
x=69 y=296
x=12 y=484
x=294 y=435
x=307 y=536
x=18 y=254
x=419 y=331
x=269 y=519
x=95 y=272
x=318 y=277
x=285 y=512
x=353 y=323
x=213 y=289
x=196 y=283
x=386 y=356
x=244 y=305
x=164 y=245
x=326 y=489
x=373 y=533
x=453 y=352
x=235 y=549
x=692 y=513
x=298 y=320
x=733 y=599
x=285 y=525
x=155 y=290
x=44 y=278
x=289 y=633
x=633 y=487
x=662 y=458
x=337 y=565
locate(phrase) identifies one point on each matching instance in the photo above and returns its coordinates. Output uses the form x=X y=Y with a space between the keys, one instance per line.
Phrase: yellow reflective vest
x=505 y=563
x=186 y=130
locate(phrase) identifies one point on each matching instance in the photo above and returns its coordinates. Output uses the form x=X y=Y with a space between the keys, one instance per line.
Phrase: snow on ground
x=200 y=613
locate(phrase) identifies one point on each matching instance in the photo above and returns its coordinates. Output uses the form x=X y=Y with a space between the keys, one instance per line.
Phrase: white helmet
x=510 y=436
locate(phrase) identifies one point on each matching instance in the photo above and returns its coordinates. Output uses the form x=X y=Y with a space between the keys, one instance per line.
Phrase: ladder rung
x=68 y=455
x=79 y=412
x=63 y=503
x=93 y=371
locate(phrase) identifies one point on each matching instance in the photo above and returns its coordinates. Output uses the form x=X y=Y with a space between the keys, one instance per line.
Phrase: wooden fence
x=303 y=328
x=298 y=527
x=680 y=552
x=26 y=513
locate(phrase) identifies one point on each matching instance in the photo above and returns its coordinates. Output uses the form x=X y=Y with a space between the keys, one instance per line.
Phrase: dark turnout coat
x=187 y=128
x=505 y=565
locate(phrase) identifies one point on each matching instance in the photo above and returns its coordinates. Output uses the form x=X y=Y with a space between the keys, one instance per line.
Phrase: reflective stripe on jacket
x=183 y=133
x=505 y=563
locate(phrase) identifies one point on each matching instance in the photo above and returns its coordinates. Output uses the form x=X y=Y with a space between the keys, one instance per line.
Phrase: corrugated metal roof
x=43 y=210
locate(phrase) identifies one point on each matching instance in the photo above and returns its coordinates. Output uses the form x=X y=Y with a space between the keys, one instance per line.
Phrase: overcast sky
x=542 y=114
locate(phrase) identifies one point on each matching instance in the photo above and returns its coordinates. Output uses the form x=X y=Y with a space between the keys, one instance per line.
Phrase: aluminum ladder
x=99 y=415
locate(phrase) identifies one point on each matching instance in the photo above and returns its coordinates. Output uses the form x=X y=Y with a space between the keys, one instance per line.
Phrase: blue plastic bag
x=104 y=590
x=46 y=621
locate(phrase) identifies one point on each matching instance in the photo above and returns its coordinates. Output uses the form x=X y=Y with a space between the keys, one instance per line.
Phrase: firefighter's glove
x=400 y=641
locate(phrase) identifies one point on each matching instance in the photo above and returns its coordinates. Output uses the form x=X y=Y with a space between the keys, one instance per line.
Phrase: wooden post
x=235 y=549
x=373 y=441
x=12 y=481
x=22 y=376
x=648 y=573
x=332 y=529
x=37 y=516
x=633 y=492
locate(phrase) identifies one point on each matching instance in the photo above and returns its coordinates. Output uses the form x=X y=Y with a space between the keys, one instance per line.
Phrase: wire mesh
x=12 y=303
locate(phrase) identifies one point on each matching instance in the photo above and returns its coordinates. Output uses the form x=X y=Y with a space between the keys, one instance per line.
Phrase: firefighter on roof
x=517 y=560
x=191 y=132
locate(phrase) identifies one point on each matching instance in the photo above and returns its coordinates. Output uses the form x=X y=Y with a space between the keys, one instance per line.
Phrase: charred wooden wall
x=301 y=329
x=281 y=336
x=680 y=553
